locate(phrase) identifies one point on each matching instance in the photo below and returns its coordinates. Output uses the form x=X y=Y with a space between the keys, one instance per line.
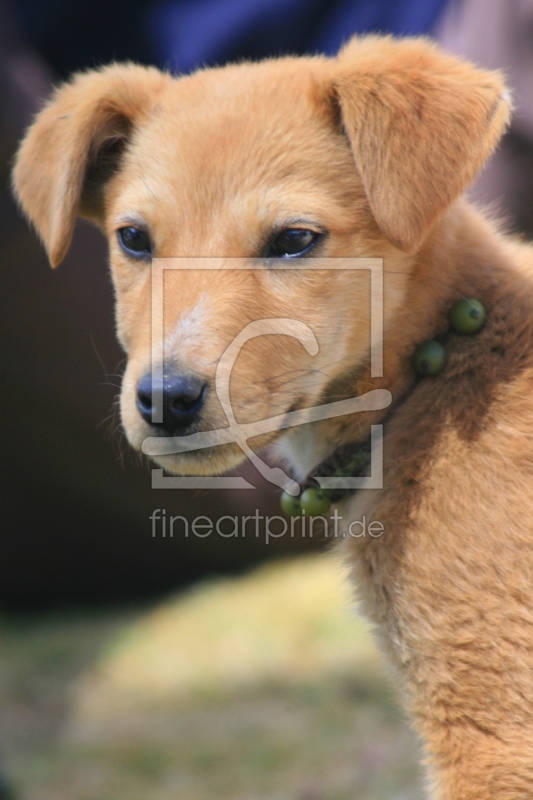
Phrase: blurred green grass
x=261 y=687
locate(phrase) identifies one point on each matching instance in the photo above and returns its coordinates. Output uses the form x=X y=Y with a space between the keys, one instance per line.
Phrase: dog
x=363 y=155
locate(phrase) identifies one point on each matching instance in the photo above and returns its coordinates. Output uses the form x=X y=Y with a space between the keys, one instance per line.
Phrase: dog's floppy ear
x=74 y=145
x=420 y=123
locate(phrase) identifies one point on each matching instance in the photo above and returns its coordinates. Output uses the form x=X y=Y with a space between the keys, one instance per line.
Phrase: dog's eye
x=293 y=242
x=134 y=241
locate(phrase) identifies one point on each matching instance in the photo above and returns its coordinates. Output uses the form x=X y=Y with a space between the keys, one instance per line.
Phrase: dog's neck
x=463 y=257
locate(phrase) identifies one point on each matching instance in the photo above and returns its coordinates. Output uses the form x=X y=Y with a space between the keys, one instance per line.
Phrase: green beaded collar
x=467 y=316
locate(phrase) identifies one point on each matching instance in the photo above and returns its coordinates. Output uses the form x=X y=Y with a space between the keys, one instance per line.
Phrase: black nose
x=182 y=399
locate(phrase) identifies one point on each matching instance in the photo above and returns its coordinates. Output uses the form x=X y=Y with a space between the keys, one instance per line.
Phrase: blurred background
x=134 y=666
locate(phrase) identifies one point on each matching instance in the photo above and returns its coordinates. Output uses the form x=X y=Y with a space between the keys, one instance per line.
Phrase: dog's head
x=314 y=157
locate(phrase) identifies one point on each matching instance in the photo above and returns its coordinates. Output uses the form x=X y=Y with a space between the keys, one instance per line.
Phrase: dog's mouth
x=214 y=437
x=346 y=461
x=211 y=452
x=217 y=451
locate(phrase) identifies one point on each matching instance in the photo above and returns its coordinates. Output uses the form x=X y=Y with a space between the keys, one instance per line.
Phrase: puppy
x=364 y=155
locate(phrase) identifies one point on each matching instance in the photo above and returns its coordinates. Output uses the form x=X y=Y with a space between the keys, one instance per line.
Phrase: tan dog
x=363 y=155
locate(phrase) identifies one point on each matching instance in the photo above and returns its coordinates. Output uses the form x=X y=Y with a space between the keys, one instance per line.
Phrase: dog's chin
x=205 y=464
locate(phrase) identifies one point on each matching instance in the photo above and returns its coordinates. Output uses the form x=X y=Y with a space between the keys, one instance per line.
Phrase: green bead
x=467 y=316
x=314 y=502
x=430 y=358
x=290 y=505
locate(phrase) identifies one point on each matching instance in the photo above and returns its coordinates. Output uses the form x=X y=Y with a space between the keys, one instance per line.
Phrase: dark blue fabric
x=193 y=32
x=189 y=33
x=400 y=17
x=183 y=34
